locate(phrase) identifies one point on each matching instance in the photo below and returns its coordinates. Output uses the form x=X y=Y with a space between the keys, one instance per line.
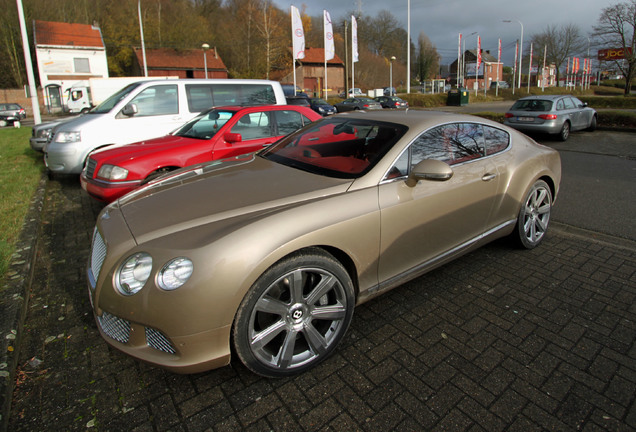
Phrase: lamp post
x=520 y=51
x=463 y=68
x=391 y=75
x=205 y=59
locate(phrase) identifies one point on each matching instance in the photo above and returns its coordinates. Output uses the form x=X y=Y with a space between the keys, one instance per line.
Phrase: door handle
x=488 y=177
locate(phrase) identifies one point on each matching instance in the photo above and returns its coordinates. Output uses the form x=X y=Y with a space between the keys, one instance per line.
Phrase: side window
x=497 y=140
x=568 y=103
x=157 y=100
x=560 y=105
x=253 y=126
x=76 y=94
x=288 y=121
x=452 y=143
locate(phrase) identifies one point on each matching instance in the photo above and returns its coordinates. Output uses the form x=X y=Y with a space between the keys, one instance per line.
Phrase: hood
x=77 y=123
x=244 y=187
x=115 y=155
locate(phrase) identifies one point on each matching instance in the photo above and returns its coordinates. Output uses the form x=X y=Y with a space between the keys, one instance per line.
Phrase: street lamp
x=205 y=59
x=520 y=51
x=464 y=58
x=391 y=76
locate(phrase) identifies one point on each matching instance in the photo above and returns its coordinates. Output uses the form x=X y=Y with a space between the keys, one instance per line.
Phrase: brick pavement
x=499 y=340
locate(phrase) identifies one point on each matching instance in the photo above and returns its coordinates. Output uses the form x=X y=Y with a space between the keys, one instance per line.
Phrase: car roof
x=545 y=97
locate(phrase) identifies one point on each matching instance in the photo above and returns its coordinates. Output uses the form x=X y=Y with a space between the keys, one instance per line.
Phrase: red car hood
x=220 y=192
x=118 y=153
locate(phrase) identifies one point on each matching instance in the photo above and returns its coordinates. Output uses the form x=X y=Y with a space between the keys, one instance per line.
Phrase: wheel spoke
x=286 y=352
x=323 y=287
x=316 y=341
x=332 y=312
x=272 y=306
x=296 y=286
x=262 y=338
x=544 y=209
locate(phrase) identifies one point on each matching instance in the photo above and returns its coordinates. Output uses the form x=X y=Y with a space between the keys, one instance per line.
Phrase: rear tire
x=565 y=131
x=534 y=216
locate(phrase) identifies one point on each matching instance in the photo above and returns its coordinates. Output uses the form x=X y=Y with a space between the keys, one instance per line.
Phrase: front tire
x=592 y=126
x=294 y=315
x=534 y=216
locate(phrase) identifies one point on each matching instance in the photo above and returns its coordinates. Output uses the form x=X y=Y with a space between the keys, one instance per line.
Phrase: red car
x=215 y=134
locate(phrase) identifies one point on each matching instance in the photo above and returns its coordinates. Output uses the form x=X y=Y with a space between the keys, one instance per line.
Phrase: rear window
x=532 y=105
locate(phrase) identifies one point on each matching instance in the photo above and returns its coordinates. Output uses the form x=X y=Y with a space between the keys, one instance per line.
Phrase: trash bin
x=457 y=97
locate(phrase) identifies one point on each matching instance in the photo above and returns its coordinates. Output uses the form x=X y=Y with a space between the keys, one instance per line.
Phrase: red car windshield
x=206 y=125
x=337 y=147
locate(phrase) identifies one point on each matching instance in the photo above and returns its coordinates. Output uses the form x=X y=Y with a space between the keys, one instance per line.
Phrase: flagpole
x=293 y=50
x=530 y=68
x=353 y=59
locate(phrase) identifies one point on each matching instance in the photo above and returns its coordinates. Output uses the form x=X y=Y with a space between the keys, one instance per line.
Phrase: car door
x=248 y=132
x=573 y=112
x=429 y=221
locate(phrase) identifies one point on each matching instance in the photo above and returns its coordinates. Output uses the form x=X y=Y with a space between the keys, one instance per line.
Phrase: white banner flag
x=330 y=49
x=354 y=38
x=298 y=34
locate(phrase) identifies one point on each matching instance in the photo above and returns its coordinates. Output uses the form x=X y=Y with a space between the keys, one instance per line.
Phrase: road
x=598 y=186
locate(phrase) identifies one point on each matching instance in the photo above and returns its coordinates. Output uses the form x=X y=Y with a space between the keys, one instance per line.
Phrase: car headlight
x=43 y=133
x=133 y=273
x=67 y=137
x=112 y=172
x=175 y=273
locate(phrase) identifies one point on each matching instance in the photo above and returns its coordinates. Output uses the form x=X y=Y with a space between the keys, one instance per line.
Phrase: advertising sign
x=614 y=54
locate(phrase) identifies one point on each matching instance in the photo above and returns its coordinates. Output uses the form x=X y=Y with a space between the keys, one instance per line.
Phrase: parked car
x=321 y=106
x=297 y=100
x=10 y=113
x=288 y=90
x=357 y=103
x=216 y=134
x=266 y=255
x=146 y=110
x=40 y=133
x=392 y=102
x=389 y=91
x=558 y=115
x=502 y=85
x=353 y=92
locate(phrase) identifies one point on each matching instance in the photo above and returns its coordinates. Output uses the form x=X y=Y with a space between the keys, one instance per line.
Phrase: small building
x=67 y=53
x=472 y=79
x=310 y=73
x=180 y=63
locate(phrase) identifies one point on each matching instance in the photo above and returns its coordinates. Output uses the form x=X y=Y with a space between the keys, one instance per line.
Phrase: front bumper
x=107 y=191
x=67 y=158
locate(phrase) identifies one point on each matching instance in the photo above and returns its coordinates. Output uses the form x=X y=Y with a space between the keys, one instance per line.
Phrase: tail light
x=548 y=116
x=509 y=115
x=366 y=105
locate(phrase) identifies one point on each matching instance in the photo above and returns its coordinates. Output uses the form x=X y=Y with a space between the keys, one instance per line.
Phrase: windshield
x=343 y=148
x=532 y=105
x=205 y=125
x=319 y=102
x=110 y=103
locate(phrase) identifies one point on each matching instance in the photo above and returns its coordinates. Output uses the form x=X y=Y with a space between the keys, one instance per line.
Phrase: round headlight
x=133 y=273
x=175 y=273
x=112 y=172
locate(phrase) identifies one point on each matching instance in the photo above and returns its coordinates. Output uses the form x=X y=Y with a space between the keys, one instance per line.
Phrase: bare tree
x=615 y=29
x=427 y=58
x=561 y=42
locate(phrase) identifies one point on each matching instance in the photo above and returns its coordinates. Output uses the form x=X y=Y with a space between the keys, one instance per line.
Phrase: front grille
x=115 y=327
x=90 y=167
x=98 y=254
x=157 y=340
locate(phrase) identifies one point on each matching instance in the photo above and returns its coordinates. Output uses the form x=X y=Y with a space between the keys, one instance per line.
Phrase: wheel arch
x=158 y=171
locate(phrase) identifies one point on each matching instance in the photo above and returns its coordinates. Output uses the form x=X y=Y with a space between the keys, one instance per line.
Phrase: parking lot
x=500 y=340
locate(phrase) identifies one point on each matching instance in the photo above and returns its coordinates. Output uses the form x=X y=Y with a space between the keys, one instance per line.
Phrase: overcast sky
x=443 y=20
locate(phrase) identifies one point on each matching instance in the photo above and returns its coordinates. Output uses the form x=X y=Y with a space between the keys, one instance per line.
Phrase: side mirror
x=130 y=110
x=232 y=137
x=429 y=169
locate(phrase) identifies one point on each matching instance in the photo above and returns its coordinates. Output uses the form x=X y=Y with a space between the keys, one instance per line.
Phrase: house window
x=81 y=65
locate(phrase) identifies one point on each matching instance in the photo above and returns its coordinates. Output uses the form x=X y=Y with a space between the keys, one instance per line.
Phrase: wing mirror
x=429 y=169
x=232 y=137
x=130 y=110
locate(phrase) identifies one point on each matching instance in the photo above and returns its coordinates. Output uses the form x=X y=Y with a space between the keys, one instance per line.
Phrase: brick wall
x=17 y=96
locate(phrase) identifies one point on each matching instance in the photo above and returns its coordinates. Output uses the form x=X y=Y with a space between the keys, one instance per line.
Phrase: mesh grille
x=115 y=327
x=90 y=167
x=98 y=254
x=155 y=339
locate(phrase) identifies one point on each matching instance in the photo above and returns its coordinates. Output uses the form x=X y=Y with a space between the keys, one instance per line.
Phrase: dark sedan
x=357 y=103
x=321 y=107
x=392 y=102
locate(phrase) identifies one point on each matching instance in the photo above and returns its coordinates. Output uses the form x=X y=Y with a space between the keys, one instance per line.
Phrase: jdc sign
x=614 y=53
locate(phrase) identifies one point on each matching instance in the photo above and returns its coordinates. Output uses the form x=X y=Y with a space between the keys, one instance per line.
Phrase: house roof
x=169 y=58
x=67 y=34
x=317 y=55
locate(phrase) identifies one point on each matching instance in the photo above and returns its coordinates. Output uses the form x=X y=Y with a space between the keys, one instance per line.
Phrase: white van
x=145 y=110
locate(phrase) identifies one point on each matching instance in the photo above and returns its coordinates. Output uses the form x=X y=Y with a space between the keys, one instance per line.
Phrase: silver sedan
x=552 y=114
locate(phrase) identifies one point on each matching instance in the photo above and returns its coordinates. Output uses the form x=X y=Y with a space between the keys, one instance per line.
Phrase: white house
x=67 y=53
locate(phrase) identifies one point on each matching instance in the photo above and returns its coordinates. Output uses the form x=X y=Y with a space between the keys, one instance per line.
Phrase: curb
x=14 y=300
